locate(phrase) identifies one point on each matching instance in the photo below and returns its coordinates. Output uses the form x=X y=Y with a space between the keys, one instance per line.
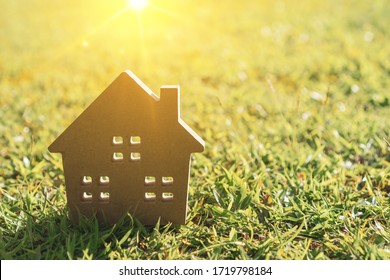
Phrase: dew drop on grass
x=368 y=36
x=242 y=76
x=19 y=139
x=305 y=115
x=348 y=165
x=355 y=88
x=317 y=96
x=26 y=162
x=341 y=106
x=308 y=158
x=228 y=122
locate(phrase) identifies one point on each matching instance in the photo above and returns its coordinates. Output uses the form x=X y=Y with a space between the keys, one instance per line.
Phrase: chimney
x=170 y=101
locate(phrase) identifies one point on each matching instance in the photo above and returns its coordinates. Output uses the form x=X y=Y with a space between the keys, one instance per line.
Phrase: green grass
x=291 y=97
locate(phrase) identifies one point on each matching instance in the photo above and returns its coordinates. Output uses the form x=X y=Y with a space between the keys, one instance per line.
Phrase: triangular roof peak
x=140 y=83
x=128 y=89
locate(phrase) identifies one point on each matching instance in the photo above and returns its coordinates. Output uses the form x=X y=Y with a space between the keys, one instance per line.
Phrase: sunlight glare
x=138 y=5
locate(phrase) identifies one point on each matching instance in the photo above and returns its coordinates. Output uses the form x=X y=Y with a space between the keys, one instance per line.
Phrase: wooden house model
x=129 y=152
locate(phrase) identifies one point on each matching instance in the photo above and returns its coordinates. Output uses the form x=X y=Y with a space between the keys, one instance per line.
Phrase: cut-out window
x=117 y=156
x=117 y=140
x=150 y=196
x=104 y=196
x=87 y=196
x=167 y=180
x=86 y=180
x=135 y=140
x=104 y=180
x=167 y=196
x=150 y=180
x=135 y=156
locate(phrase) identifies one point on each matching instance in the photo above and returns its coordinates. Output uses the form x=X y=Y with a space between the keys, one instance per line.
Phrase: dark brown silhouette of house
x=129 y=152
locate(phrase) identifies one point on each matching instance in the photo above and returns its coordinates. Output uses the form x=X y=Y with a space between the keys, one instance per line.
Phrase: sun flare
x=138 y=5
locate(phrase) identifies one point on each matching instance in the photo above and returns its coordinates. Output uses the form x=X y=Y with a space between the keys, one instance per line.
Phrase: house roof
x=127 y=93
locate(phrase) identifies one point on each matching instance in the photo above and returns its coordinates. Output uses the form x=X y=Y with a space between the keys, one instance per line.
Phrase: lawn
x=291 y=97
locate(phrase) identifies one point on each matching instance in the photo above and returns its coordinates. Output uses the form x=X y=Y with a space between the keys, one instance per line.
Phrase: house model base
x=129 y=152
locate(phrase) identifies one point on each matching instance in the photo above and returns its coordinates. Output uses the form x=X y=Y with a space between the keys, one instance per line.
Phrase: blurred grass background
x=291 y=97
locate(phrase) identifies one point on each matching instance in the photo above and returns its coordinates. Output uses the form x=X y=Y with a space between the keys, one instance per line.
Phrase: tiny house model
x=129 y=152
